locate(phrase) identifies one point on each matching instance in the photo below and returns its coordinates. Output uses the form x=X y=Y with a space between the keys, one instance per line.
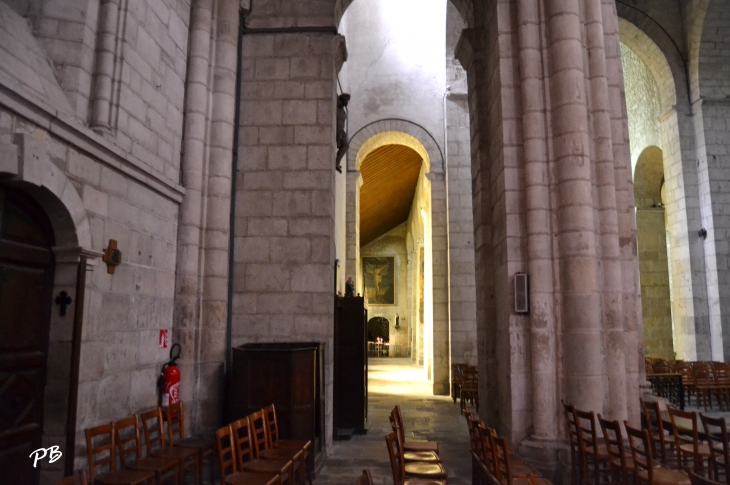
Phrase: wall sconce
x=397 y=321
x=702 y=233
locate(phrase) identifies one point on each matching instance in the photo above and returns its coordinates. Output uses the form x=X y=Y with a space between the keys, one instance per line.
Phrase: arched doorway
x=653 y=255
x=26 y=285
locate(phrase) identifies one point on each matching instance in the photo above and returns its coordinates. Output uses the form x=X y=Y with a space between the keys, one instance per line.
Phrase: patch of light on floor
x=397 y=377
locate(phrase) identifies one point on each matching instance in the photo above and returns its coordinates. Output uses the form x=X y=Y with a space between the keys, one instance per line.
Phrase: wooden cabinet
x=350 y=391
x=290 y=375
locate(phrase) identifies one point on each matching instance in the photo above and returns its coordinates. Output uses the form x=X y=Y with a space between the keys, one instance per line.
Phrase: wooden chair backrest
x=366 y=478
x=640 y=451
x=703 y=373
x=572 y=424
x=104 y=435
x=488 y=456
x=474 y=441
x=175 y=418
x=502 y=466
x=396 y=458
x=696 y=479
x=397 y=426
x=684 y=438
x=154 y=434
x=587 y=431
x=719 y=449
x=615 y=446
x=76 y=479
x=126 y=436
x=272 y=425
x=226 y=450
x=653 y=417
x=243 y=441
x=257 y=422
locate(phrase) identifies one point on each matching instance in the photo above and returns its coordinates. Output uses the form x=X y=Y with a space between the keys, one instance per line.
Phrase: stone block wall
x=284 y=228
x=462 y=292
x=123 y=312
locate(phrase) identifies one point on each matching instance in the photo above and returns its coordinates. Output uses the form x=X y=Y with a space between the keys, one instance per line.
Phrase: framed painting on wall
x=379 y=279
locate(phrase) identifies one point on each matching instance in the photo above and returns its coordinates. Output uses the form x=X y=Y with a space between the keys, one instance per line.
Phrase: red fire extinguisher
x=168 y=384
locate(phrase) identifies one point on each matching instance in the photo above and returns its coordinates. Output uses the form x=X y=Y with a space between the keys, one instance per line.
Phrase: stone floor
x=426 y=417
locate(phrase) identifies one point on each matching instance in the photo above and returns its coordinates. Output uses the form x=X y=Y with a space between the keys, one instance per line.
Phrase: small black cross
x=63 y=300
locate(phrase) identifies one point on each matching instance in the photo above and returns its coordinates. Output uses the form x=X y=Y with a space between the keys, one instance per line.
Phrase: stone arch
x=649 y=178
x=647 y=39
x=658 y=52
x=395 y=131
x=463 y=6
x=651 y=55
x=37 y=175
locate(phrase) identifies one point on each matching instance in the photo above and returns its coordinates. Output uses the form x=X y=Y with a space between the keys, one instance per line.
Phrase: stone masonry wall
x=284 y=230
x=462 y=288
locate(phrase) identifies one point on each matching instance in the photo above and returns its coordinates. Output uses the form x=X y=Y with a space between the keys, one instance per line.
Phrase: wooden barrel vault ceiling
x=389 y=175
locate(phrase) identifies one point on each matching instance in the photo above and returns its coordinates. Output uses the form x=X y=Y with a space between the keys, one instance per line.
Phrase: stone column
x=626 y=220
x=352 y=251
x=583 y=354
x=187 y=314
x=440 y=271
x=603 y=159
x=539 y=229
x=104 y=68
x=217 y=217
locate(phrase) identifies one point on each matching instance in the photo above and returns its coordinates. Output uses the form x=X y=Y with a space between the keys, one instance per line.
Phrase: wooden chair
x=579 y=472
x=505 y=471
x=594 y=455
x=622 y=466
x=397 y=415
x=721 y=371
x=366 y=478
x=456 y=380
x=688 y=379
x=154 y=436
x=719 y=449
x=696 y=479
x=75 y=479
x=705 y=385
x=175 y=418
x=410 y=456
x=469 y=388
x=227 y=458
x=247 y=453
x=663 y=445
x=103 y=454
x=687 y=440
x=646 y=470
x=129 y=448
x=403 y=471
x=272 y=437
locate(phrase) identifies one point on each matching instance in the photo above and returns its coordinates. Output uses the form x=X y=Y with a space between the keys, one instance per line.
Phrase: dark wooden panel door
x=26 y=284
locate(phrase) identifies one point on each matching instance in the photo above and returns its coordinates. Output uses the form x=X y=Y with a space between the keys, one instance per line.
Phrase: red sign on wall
x=163 y=339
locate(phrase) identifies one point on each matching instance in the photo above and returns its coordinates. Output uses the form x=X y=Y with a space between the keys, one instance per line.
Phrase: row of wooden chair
x=492 y=461
x=703 y=380
x=165 y=457
x=655 y=457
x=465 y=385
x=251 y=453
x=412 y=462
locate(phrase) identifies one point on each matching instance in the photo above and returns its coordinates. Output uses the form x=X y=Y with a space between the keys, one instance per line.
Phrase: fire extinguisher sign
x=163 y=338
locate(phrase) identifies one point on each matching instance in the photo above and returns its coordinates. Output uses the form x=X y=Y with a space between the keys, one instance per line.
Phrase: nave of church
x=538 y=189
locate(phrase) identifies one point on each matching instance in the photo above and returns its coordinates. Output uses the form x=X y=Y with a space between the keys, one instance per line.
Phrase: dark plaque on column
x=350 y=368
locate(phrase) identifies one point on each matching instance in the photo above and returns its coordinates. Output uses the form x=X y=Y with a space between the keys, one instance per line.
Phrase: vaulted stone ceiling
x=389 y=175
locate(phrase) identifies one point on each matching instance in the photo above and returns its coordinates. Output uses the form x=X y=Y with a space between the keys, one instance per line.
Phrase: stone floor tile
x=433 y=418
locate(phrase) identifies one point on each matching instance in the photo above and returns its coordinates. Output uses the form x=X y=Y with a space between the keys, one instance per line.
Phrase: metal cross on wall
x=63 y=300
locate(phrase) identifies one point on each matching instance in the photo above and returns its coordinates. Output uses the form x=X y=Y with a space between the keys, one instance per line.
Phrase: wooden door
x=26 y=285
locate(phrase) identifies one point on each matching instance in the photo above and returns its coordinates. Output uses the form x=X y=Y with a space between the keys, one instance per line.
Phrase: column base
x=549 y=457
